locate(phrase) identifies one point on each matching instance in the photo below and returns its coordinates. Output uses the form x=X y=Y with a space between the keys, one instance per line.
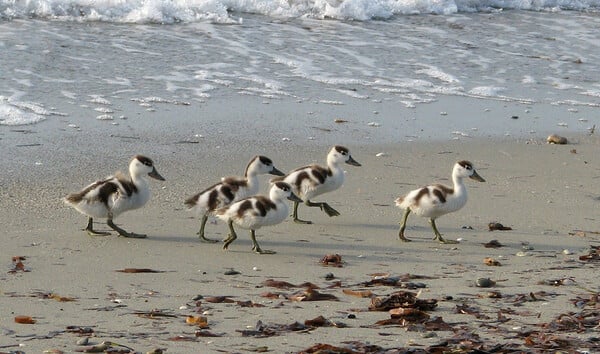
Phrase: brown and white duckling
x=114 y=195
x=436 y=200
x=229 y=190
x=310 y=181
x=255 y=212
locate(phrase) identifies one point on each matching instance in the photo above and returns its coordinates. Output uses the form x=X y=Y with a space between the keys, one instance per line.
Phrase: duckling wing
x=306 y=181
x=251 y=213
x=93 y=192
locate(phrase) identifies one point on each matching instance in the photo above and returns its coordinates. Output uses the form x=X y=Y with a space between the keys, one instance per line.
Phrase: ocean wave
x=232 y=11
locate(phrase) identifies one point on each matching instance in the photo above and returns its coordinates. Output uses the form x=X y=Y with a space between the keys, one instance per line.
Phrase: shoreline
x=544 y=192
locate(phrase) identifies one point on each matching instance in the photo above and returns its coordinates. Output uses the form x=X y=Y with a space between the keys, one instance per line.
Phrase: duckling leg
x=403 y=225
x=295 y=215
x=255 y=247
x=324 y=206
x=201 y=232
x=122 y=232
x=90 y=229
x=438 y=236
x=231 y=237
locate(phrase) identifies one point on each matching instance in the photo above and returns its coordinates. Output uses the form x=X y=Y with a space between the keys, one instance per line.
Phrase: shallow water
x=408 y=73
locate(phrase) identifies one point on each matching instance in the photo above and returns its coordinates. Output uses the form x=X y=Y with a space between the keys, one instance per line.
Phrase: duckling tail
x=73 y=198
x=191 y=201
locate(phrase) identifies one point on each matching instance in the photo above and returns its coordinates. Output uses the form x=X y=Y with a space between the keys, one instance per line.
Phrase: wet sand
x=545 y=193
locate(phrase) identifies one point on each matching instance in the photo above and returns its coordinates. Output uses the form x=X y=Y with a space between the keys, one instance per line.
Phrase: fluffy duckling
x=255 y=212
x=114 y=195
x=229 y=190
x=436 y=200
x=313 y=180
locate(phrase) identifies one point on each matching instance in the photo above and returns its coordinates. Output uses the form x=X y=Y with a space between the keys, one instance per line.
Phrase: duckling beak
x=477 y=177
x=294 y=198
x=352 y=162
x=276 y=172
x=154 y=174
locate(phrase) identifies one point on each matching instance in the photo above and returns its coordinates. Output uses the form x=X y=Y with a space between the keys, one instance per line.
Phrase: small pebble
x=83 y=341
x=567 y=251
x=381 y=154
x=351 y=316
x=329 y=276
x=556 y=139
x=285 y=139
x=232 y=272
x=523 y=254
x=373 y=124
x=183 y=307
x=198 y=297
x=515 y=117
x=485 y=282
x=256 y=269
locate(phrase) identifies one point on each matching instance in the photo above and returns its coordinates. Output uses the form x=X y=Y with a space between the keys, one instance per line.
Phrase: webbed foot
x=300 y=221
x=329 y=210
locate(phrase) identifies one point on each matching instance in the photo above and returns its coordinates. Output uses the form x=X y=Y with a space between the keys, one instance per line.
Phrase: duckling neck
x=335 y=167
x=140 y=182
x=459 y=186
x=252 y=181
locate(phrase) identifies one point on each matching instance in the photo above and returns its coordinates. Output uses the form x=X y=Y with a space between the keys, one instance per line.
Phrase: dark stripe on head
x=244 y=206
x=466 y=164
x=145 y=160
x=342 y=149
x=265 y=160
x=283 y=186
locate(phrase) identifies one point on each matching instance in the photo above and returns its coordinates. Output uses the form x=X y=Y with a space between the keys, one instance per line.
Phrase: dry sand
x=544 y=192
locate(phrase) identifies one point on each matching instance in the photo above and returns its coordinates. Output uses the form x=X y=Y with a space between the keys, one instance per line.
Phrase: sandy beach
x=70 y=284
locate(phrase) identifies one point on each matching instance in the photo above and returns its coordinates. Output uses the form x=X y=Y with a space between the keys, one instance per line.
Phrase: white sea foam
x=20 y=113
x=231 y=11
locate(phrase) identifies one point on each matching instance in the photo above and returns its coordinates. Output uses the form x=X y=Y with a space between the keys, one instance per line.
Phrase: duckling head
x=261 y=165
x=340 y=154
x=141 y=165
x=463 y=169
x=282 y=190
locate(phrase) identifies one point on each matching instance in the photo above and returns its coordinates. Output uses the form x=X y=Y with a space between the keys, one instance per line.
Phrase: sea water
x=79 y=61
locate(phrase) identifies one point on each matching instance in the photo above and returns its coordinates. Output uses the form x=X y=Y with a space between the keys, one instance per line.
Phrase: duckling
x=229 y=190
x=255 y=212
x=435 y=200
x=313 y=180
x=114 y=195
